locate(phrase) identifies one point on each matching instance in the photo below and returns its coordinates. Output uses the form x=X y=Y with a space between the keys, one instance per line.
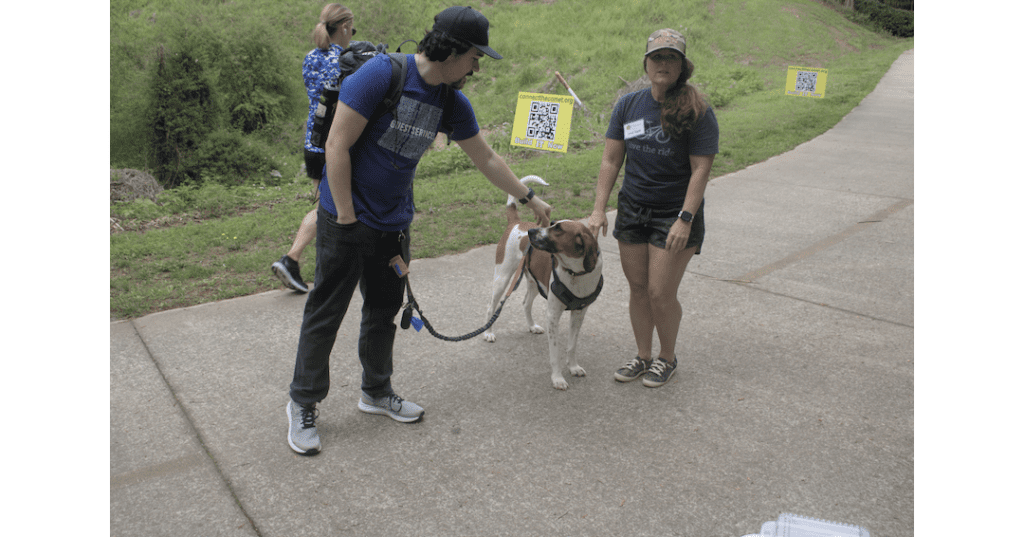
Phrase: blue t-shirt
x=384 y=158
x=319 y=66
x=657 y=165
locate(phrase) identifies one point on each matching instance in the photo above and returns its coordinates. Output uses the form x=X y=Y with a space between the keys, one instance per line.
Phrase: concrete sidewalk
x=794 y=392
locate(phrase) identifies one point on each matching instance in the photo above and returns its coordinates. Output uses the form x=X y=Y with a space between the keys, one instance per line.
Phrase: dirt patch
x=840 y=36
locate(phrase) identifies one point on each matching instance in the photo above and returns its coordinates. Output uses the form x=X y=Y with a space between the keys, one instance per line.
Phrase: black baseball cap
x=465 y=24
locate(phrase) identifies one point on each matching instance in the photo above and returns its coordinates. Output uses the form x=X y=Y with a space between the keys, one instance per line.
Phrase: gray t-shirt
x=657 y=166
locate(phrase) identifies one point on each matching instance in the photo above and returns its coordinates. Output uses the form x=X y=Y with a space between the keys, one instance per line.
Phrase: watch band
x=529 y=196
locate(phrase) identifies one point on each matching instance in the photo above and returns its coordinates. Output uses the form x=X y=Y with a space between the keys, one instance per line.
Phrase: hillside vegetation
x=215 y=236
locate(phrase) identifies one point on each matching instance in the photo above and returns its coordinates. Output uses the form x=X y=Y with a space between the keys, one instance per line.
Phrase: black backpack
x=358 y=53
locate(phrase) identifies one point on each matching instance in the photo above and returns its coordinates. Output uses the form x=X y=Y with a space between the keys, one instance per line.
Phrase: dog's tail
x=526 y=179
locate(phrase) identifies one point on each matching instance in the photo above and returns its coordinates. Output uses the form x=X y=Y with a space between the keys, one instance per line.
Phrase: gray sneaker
x=633 y=369
x=660 y=372
x=392 y=406
x=302 y=434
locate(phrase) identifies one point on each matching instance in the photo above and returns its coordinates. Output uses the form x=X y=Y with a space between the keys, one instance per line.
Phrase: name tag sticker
x=634 y=129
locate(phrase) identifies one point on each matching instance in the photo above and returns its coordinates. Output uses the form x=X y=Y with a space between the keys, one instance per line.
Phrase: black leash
x=407 y=318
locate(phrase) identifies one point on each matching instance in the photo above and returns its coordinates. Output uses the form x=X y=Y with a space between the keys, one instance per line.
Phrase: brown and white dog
x=564 y=262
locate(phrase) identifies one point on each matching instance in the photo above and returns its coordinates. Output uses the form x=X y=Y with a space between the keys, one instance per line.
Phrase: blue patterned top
x=318 y=67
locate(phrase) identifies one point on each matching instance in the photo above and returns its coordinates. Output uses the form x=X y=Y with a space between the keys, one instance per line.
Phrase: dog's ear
x=589 y=250
x=579 y=245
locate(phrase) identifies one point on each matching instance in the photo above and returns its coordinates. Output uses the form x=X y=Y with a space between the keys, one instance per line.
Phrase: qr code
x=806 y=81
x=543 y=120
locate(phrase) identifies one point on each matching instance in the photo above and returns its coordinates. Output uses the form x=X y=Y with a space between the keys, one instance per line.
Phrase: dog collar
x=573 y=273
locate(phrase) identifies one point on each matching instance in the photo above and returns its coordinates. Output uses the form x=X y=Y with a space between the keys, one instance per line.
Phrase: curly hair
x=684 y=104
x=438 y=46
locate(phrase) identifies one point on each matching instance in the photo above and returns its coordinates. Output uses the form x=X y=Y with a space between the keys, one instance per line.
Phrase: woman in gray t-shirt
x=667 y=135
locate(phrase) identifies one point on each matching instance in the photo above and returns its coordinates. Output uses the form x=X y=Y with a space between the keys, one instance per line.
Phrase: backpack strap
x=447 y=112
x=399 y=68
x=399 y=49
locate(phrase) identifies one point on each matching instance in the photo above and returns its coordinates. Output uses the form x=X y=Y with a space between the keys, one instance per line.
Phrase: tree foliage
x=206 y=83
x=898 y=22
x=182 y=113
x=252 y=77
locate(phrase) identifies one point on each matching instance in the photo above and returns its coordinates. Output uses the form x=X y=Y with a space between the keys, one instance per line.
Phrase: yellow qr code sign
x=542 y=122
x=806 y=82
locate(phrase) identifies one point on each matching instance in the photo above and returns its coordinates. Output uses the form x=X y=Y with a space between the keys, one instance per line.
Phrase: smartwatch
x=686 y=216
x=529 y=196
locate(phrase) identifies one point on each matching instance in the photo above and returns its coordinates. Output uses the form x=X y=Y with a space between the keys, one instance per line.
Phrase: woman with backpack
x=332 y=36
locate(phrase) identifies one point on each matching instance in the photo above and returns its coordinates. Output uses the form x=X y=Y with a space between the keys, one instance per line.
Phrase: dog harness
x=559 y=290
x=571 y=301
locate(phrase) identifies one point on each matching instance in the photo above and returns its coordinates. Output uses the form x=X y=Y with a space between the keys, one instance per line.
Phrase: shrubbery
x=207 y=89
x=229 y=158
x=252 y=78
x=182 y=113
x=897 y=22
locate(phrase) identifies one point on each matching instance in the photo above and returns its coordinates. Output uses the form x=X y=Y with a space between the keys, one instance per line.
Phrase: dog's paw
x=559 y=383
x=490 y=337
x=536 y=329
x=577 y=371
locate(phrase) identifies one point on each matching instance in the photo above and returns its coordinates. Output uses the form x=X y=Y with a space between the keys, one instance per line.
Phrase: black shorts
x=636 y=224
x=314 y=164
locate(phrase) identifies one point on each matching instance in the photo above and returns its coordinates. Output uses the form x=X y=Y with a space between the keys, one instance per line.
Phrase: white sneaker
x=392 y=406
x=303 y=437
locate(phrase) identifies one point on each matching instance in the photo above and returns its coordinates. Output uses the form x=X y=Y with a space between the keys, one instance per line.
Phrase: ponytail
x=331 y=17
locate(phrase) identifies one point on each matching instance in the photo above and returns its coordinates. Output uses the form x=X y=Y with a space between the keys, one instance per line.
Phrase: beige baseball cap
x=666 y=38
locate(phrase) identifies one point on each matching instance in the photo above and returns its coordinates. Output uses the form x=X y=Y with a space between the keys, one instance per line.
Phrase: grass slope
x=215 y=243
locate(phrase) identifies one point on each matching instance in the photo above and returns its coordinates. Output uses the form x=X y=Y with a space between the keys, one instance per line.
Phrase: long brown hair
x=331 y=17
x=684 y=104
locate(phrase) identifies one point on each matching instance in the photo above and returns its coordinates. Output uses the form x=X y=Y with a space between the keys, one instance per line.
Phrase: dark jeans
x=347 y=256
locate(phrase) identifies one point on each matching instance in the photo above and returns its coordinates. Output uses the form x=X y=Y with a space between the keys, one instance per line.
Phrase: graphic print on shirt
x=643 y=139
x=413 y=129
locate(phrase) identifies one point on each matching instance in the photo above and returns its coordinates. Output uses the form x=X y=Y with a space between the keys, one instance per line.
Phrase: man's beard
x=462 y=82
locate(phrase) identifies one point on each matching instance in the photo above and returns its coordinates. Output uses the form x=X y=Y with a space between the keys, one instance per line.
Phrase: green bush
x=898 y=23
x=900 y=4
x=182 y=113
x=229 y=158
x=205 y=79
x=253 y=79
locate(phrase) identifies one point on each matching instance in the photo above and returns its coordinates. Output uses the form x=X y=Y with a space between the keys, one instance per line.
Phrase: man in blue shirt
x=366 y=206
